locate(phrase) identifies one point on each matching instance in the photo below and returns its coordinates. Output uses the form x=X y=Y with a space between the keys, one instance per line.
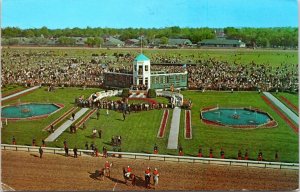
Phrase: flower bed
x=291 y=105
x=282 y=115
x=150 y=101
x=188 y=128
x=208 y=108
x=163 y=124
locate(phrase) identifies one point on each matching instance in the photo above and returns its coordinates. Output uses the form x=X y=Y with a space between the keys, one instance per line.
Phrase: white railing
x=233 y=162
x=172 y=95
x=109 y=93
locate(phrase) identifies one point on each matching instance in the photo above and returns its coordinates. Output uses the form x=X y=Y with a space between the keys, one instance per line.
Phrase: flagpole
x=141 y=44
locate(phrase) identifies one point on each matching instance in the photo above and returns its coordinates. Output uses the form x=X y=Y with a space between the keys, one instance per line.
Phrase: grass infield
x=139 y=130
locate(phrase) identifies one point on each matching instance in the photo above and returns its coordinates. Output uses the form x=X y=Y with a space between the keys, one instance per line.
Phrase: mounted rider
x=107 y=166
x=128 y=171
x=155 y=176
x=147 y=177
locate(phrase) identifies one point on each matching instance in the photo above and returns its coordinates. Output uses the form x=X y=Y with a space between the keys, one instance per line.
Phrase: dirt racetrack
x=26 y=171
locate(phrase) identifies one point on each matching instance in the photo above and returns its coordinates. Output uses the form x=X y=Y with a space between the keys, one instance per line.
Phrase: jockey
x=128 y=172
x=155 y=172
x=147 y=177
x=148 y=172
x=107 y=165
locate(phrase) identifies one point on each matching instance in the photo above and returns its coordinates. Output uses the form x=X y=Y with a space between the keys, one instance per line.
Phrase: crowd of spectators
x=40 y=67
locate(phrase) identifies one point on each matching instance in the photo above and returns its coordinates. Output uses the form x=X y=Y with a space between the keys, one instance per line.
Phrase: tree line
x=261 y=37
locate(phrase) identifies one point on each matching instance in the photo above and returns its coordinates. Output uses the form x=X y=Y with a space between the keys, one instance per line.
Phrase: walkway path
x=65 y=125
x=174 y=131
x=286 y=110
x=20 y=93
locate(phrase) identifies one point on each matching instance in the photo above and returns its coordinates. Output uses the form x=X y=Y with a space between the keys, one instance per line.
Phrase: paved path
x=19 y=93
x=65 y=125
x=174 y=131
x=286 y=110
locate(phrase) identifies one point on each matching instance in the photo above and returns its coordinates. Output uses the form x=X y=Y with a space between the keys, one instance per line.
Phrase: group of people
x=35 y=67
x=239 y=155
x=127 y=173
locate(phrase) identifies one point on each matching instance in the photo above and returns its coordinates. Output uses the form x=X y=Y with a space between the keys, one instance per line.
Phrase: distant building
x=132 y=42
x=221 y=42
x=80 y=41
x=143 y=76
x=172 y=42
x=180 y=42
x=113 y=42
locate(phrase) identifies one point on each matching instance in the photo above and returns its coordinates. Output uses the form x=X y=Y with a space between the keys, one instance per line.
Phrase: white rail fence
x=233 y=162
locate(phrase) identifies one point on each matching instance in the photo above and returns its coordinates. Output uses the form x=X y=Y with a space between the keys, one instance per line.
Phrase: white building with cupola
x=143 y=78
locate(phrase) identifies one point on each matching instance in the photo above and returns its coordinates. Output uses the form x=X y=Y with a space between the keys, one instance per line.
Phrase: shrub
x=151 y=93
x=125 y=92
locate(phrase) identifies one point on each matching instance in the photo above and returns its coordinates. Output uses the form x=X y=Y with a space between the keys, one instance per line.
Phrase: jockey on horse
x=128 y=172
x=155 y=176
x=128 y=175
x=147 y=177
x=107 y=167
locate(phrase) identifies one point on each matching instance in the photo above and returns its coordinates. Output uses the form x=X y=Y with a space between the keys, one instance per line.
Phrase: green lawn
x=292 y=97
x=139 y=130
x=241 y=56
x=25 y=130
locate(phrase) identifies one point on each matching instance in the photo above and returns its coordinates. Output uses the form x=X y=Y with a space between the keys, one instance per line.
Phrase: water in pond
x=234 y=117
x=28 y=110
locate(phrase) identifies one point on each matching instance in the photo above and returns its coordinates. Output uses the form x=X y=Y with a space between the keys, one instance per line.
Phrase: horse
x=155 y=180
x=128 y=178
x=100 y=174
x=107 y=170
x=147 y=181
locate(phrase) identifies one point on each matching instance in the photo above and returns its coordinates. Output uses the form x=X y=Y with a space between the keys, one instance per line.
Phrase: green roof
x=179 y=42
x=113 y=41
x=141 y=57
x=220 y=41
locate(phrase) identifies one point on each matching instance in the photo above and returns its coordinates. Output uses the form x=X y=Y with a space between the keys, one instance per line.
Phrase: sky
x=56 y=14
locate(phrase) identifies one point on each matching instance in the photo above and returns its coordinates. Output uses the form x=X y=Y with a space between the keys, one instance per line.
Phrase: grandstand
x=143 y=78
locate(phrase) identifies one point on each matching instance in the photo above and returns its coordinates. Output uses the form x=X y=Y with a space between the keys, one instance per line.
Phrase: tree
x=96 y=41
x=39 y=40
x=151 y=93
x=164 y=40
x=66 y=41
